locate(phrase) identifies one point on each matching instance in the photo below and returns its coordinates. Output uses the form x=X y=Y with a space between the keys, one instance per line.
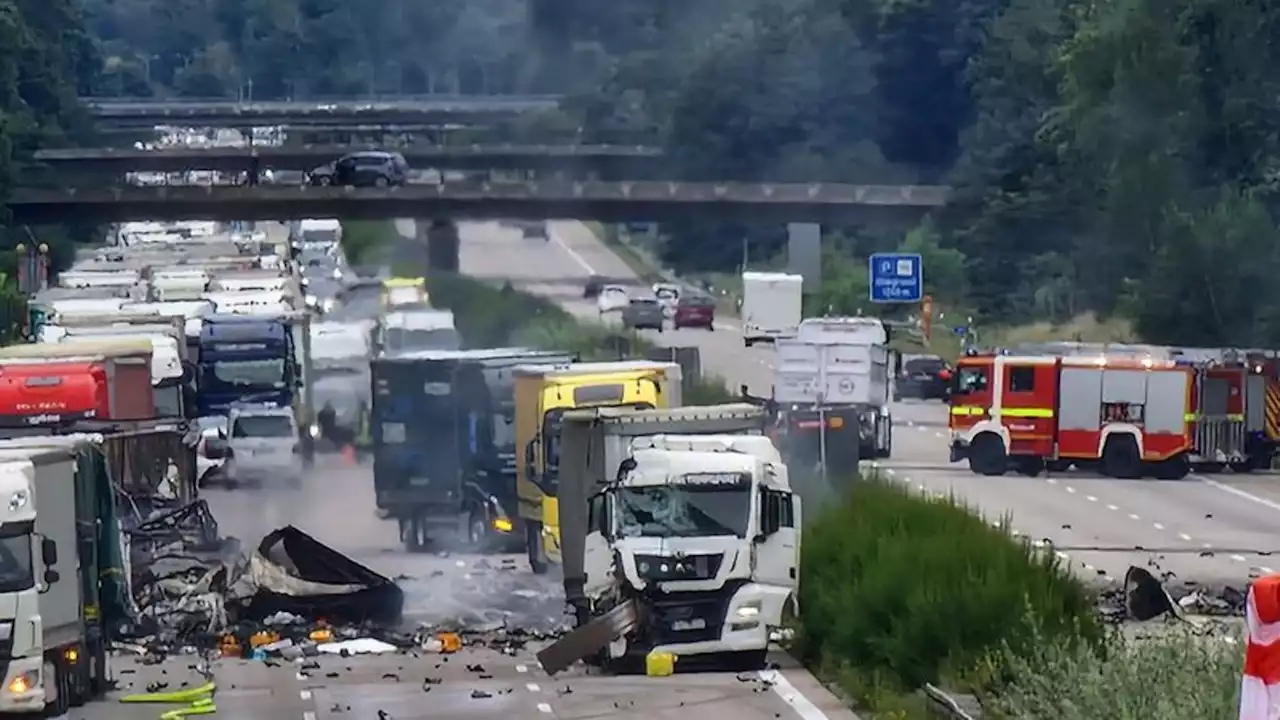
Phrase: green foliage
x=364 y=241
x=1179 y=675
x=901 y=589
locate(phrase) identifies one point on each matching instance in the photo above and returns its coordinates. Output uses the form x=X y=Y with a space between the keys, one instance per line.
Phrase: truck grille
x=688 y=617
x=665 y=568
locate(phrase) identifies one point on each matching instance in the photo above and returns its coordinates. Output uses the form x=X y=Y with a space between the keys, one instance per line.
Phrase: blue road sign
x=896 y=277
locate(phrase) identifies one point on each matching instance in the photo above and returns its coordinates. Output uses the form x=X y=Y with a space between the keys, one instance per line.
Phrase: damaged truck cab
x=683 y=543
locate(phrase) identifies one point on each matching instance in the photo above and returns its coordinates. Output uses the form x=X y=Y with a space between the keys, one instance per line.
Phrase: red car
x=695 y=312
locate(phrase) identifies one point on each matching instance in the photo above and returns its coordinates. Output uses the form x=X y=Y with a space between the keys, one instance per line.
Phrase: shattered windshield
x=250 y=373
x=684 y=511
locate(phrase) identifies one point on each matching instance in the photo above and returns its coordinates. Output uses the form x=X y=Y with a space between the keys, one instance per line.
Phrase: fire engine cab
x=1126 y=416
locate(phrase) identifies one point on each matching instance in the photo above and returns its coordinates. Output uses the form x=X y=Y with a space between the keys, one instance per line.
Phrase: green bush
x=898 y=589
x=363 y=241
x=1177 y=675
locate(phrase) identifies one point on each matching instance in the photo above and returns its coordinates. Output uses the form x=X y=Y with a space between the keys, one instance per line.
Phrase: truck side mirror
x=48 y=552
x=770 y=520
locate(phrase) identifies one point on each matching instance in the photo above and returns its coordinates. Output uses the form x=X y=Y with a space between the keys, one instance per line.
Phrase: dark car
x=697 y=311
x=642 y=314
x=927 y=377
x=369 y=168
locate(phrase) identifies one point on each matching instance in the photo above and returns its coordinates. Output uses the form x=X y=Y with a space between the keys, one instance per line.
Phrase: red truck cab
x=55 y=383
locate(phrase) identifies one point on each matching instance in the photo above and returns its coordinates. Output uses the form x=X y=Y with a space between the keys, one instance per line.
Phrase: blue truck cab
x=246 y=359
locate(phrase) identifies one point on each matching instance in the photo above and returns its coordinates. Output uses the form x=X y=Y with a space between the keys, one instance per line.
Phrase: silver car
x=643 y=313
x=264 y=449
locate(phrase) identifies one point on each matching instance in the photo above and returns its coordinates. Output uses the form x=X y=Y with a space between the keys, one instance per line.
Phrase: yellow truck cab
x=543 y=393
x=399 y=291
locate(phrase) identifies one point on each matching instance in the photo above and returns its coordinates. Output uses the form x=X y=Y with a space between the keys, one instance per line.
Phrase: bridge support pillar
x=440 y=236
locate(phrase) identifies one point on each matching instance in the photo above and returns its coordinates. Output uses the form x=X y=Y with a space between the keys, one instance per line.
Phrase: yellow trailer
x=543 y=393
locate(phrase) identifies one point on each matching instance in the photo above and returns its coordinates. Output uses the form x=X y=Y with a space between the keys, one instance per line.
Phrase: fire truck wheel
x=987 y=455
x=1175 y=468
x=1029 y=466
x=1120 y=458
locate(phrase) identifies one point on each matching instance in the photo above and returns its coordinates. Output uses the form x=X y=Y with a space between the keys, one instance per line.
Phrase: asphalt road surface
x=1201 y=530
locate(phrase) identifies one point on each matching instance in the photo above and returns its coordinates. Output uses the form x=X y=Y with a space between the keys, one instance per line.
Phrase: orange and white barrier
x=1260 y=686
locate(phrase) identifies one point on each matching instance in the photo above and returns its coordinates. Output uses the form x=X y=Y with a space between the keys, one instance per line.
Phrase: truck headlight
x=18 y=500
x=314 y=430
x=23 y=683
x=748 y=611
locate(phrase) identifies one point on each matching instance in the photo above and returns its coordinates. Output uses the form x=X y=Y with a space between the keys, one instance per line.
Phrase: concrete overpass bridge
x=435 y=110
x=632 y=201
x=606 y=161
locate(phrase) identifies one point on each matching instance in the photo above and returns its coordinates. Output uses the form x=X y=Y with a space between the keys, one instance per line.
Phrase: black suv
x=369 y=168
x=927 y=377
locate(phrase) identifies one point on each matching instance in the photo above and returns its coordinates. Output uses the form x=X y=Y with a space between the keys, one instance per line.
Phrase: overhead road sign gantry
x=587 y=200
x=896 y=277
x=229 y=113
x=630 y=161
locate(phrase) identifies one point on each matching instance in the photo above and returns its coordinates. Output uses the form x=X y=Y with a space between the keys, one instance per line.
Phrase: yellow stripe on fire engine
x=1271 y=415
x=1007 y=412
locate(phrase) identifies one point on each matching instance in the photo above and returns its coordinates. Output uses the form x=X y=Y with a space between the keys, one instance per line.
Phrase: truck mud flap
x=294 y=572
x=589 y=639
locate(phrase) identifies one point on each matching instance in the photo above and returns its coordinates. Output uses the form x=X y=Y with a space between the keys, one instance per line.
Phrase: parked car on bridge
x=367 y=168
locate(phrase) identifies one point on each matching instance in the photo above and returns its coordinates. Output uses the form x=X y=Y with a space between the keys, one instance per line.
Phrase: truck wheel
x=55 y=678
x=98 y=683
x=1029 y=466
x=1175 y=468
x=413 y=533
x=478 y=531
x=750 y=660
x=533 y=547
x=1120 y=458
x=987 y=455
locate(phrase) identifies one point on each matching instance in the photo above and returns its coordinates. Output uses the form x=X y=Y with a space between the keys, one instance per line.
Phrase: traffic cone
x=349 y=454
x=1260 y=686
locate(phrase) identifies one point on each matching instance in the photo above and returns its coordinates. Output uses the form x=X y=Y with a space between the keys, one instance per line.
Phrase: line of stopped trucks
x=676 y=527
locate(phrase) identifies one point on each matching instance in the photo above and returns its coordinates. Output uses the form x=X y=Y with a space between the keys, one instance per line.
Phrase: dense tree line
x=1117 y=157
x=1114 y=157
x=277 y=49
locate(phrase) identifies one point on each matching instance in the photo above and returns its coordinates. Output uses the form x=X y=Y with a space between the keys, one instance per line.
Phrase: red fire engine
x=1128 y=416
x=1233 y=420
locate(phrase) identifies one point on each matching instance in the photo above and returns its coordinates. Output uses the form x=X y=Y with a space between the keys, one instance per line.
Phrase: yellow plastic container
x=659 y=664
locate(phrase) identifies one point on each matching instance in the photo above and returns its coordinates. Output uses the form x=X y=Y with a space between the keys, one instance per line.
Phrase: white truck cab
x=705 y=527
x=263 y=444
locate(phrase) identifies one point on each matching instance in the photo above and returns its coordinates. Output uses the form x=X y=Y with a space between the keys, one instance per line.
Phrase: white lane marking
x=791 y=696
x=1134 y=516
x=1157 y=526
x=582 y=263
x=1238 y=558
x=1266 y=570
x=521 y=668
x=305 y=695
x=533 y=687
x=1052 y=481
x=1071 y=490
x=1113 y=507
x=308 y=715
x=1184 y=537
x=1090 y=498
x=1242 y=494
x=544 y=708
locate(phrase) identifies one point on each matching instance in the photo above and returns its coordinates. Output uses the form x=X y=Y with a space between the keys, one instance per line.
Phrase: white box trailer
x=772 y=305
